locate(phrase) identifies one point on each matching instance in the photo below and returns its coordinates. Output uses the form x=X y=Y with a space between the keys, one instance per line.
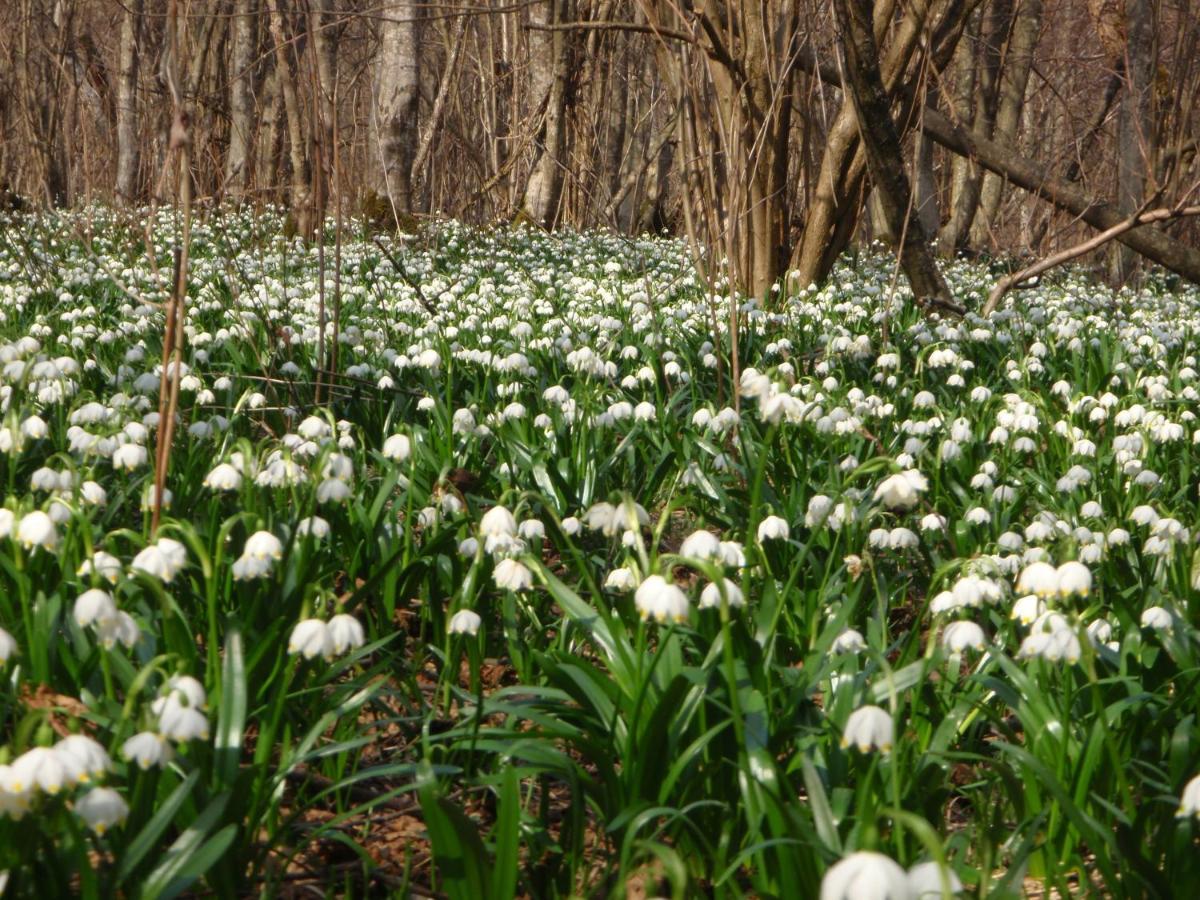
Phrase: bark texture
x=397 y=92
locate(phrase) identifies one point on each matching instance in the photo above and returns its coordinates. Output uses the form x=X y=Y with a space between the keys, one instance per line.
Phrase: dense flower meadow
x=545 y=597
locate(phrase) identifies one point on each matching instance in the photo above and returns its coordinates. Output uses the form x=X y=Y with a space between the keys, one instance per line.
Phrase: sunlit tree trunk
x=127 y=120
x=239 y=159
x=397 y=93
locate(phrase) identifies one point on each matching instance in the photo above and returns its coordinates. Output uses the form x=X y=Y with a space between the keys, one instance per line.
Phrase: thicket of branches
x=773 y=133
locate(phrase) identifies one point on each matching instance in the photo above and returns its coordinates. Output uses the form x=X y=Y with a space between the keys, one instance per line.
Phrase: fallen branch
x=1006 y=284
x=1152 y=243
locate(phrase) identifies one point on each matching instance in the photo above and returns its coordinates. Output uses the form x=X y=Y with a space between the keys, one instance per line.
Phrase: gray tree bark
x=127 y=120
x=397 y=92
x=548 y=88
x=239 y=162
x=885 y=159
x=1014 y=77
x=1135 y=126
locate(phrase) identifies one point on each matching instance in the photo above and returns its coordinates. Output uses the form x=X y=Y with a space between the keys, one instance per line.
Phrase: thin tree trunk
x=884 y=154
x=127 y=119
x=286 y=72
x=239 y=159
x=1135 y=126
x=267 y=150
x=963 y=173
x=548 y=87
x=1150 y=242
x=397 y=94
x=1014 y=77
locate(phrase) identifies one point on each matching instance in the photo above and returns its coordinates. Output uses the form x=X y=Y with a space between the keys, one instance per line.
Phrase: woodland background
x=773 y=134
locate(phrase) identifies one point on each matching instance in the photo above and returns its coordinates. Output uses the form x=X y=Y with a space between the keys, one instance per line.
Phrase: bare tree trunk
x=447 y=82
x=127 y=120
x=1150 y=242
x=1135 y=126
x=885 y=158
x=324 y=50
x=833 y=216
x=267 y=150
x=548 y=87
x=964 y=175
x=925 y=192
x=1014 y=77
x=397 y=92
x=286 y=72
x=239 y=160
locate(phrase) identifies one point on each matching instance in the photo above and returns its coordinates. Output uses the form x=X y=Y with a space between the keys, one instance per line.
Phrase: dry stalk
x=173 y=331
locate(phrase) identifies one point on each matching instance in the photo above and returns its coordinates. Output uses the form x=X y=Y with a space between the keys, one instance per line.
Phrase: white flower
x=130 y=457
x=41 y=768
x=1189 y=801
x=397 y=448
x=162 y=560
x=849 y=641
x=710 y=597
x=933 y=522
x=122 y=629
x=925 y=881
x=1158 y=618
x=83 y=755
x=701 y=545
x=621 y=579
x=333 y=490
x=182 y=723
x=37 y=530
x=867 y=728
x=345 y=633
x=773 y=528
x=512 y=575
x=310 y=638
x=147 y=748
x=819 y=508
x=1074 y=578
x=498 y=527
x=866 y=875
x=571 y=526
x=8 y=646
x=531 y=529
x=263 y=545
x=223 y=477
x=963 y=635
x=465 y=621
x=313 y=526
x=94 y=607
x=247 y=568
x=660 y=600
x=101 y=808
x=901 y=491
x=1039 y=578
x=1028 y=609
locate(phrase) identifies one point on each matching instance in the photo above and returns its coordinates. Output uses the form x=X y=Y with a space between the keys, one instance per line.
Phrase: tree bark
x=1014 y=77
x=1150 y=242
x=1135 y=126
x=964 y=176
x=301 y=204
x=884 y=154
x=548 y=87
x=397 y=94
x=127 y=119
x=239 y=158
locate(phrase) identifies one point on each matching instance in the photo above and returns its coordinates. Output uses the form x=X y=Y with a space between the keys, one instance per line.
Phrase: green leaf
x=137 y=849
x=191 y=855
x=458 y=853
x=508 y=836
x=231 y=718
